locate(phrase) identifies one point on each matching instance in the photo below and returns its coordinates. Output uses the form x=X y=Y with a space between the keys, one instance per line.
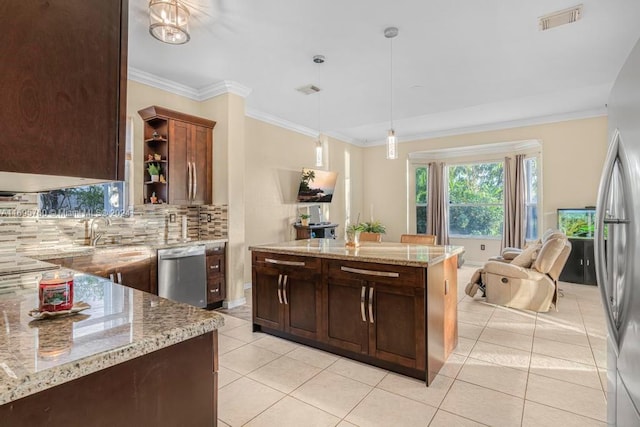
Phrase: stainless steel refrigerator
x=617 y=245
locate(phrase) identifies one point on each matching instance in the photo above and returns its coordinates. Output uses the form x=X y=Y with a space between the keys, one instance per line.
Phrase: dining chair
x=423 y=239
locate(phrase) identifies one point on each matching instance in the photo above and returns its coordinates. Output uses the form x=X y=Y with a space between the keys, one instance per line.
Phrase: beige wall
x=274 y=161
x=573 y=153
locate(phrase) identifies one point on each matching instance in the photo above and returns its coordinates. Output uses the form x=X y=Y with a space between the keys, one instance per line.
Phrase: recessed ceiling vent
x=308 y=89
x=555 y=19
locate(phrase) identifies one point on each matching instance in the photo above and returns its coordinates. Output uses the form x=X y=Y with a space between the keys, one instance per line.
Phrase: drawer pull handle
x=370 y=272
x=119 y=275
x=280 y=288
x=283 y=262
x=362 y=295
x=214 y=267
x=284 y=288
x=371 y=304
x=214 y=291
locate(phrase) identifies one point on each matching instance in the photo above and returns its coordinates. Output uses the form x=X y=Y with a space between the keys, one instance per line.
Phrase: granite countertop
x=20 y=264
x=383 y=253
x=122 y=323
x=71 y=251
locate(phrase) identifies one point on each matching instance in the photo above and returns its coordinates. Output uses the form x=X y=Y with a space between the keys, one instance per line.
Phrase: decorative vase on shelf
x=155 y=178
x=304 y=222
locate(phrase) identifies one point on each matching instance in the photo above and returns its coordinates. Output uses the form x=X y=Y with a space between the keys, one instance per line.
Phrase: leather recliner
x=533 y=287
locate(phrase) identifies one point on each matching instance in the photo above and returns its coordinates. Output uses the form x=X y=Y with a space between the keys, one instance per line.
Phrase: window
x=90 y=200
x=422 y=176
x=531 y=197
x=476 y=206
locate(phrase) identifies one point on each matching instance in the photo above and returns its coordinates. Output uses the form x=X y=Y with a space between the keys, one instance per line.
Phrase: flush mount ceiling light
x=392 y=140
x=169 y=21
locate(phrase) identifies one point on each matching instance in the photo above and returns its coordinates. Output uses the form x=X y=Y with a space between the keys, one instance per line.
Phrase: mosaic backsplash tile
x=24 y=228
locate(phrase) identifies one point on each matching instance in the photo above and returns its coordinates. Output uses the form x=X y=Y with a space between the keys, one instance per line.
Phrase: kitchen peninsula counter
x=125 y=358
x=392 y=305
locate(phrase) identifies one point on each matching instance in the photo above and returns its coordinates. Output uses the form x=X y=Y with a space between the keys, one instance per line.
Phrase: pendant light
x=319 y=59
x=169 y=21
x=392 y=140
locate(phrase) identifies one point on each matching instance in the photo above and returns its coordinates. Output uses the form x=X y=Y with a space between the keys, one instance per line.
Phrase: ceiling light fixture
x=392 y=140
x=319 y=59
x=169 y=21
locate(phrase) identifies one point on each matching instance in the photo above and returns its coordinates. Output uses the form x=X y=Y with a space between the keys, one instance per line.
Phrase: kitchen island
x=131 y=359
x=392 y=305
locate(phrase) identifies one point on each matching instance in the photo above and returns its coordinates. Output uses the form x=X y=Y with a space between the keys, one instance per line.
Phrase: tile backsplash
x=23 y=228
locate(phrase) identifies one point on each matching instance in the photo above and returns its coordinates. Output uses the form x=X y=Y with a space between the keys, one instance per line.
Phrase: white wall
x=573 y=153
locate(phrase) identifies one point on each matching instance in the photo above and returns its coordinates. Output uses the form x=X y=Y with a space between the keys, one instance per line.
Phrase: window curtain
x=437 y=215
x=514 y=231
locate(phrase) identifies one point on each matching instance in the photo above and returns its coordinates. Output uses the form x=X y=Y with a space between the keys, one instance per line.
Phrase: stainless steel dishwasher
x=182 y=275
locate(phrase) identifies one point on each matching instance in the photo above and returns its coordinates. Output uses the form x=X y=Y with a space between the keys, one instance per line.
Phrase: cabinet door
x=396 y=324
x=267 y=296
x=178 y=178
x=574 y=268
x=589 y=263
x=136 y=275
x=64 y=94
x=201 y=157
x=302 y=295
x=345 y=314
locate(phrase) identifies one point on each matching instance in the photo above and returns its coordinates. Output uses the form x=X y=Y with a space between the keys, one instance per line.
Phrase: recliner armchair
x=528 y=287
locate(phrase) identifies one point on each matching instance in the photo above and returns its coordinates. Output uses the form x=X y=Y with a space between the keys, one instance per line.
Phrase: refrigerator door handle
x=600 y=255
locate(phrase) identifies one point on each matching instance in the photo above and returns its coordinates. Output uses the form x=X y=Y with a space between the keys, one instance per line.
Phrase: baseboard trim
x=234 y=303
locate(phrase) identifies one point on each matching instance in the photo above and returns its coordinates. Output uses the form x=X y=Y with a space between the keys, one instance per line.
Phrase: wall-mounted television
x=316 y=186
x=577 y=223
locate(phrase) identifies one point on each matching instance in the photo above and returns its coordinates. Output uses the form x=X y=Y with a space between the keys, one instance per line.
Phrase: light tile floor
x=511 y=368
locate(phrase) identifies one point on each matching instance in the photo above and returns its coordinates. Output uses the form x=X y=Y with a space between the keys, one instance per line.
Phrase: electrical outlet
x=208 y=217
x=482 y=247
x=172 y=217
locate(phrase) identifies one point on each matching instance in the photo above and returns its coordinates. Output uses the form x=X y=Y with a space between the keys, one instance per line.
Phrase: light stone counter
x=122 y=324
x=73 y=251
x=383 y=253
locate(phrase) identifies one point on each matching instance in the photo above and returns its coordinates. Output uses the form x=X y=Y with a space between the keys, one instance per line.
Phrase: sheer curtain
x=514 y=231
x=437 y=220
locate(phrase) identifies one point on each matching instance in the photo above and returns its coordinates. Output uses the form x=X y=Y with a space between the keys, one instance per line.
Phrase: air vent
x=309 y=89
x=555 y=19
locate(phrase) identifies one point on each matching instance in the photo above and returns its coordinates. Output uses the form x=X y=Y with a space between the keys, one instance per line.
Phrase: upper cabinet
x=181 y=147
x=63 y=90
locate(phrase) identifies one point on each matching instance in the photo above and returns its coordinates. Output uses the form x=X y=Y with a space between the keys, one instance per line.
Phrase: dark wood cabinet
x=401 y=318
x=136 y=275
x=580 y=266
x=216 y=284
x=376 y=310
x=184 y=144
x=63 y=86
x=286 y=294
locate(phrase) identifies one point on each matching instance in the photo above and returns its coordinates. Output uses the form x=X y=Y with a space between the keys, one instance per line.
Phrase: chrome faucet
x=93 y=227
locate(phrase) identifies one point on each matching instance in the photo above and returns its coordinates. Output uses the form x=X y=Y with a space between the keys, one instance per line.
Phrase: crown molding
x=162 y=83
x=210 y=91
x=532 y=121
x=511 y=147
x=277 y=121
x=223 y=87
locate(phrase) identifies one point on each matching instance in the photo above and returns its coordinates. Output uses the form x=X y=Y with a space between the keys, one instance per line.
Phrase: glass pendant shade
x=169 y=21
x=319 y=151
x=392 y=145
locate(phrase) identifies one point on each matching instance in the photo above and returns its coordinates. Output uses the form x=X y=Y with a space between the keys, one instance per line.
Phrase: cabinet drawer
x=380 y=273
x=289 y=262
x=215 y=264
x=215 y=289
x=218 y=250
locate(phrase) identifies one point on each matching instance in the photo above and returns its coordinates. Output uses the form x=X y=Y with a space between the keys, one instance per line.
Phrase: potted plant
x=304 y=219
x=353 y=235
x=154 y=172
x=373 y=227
